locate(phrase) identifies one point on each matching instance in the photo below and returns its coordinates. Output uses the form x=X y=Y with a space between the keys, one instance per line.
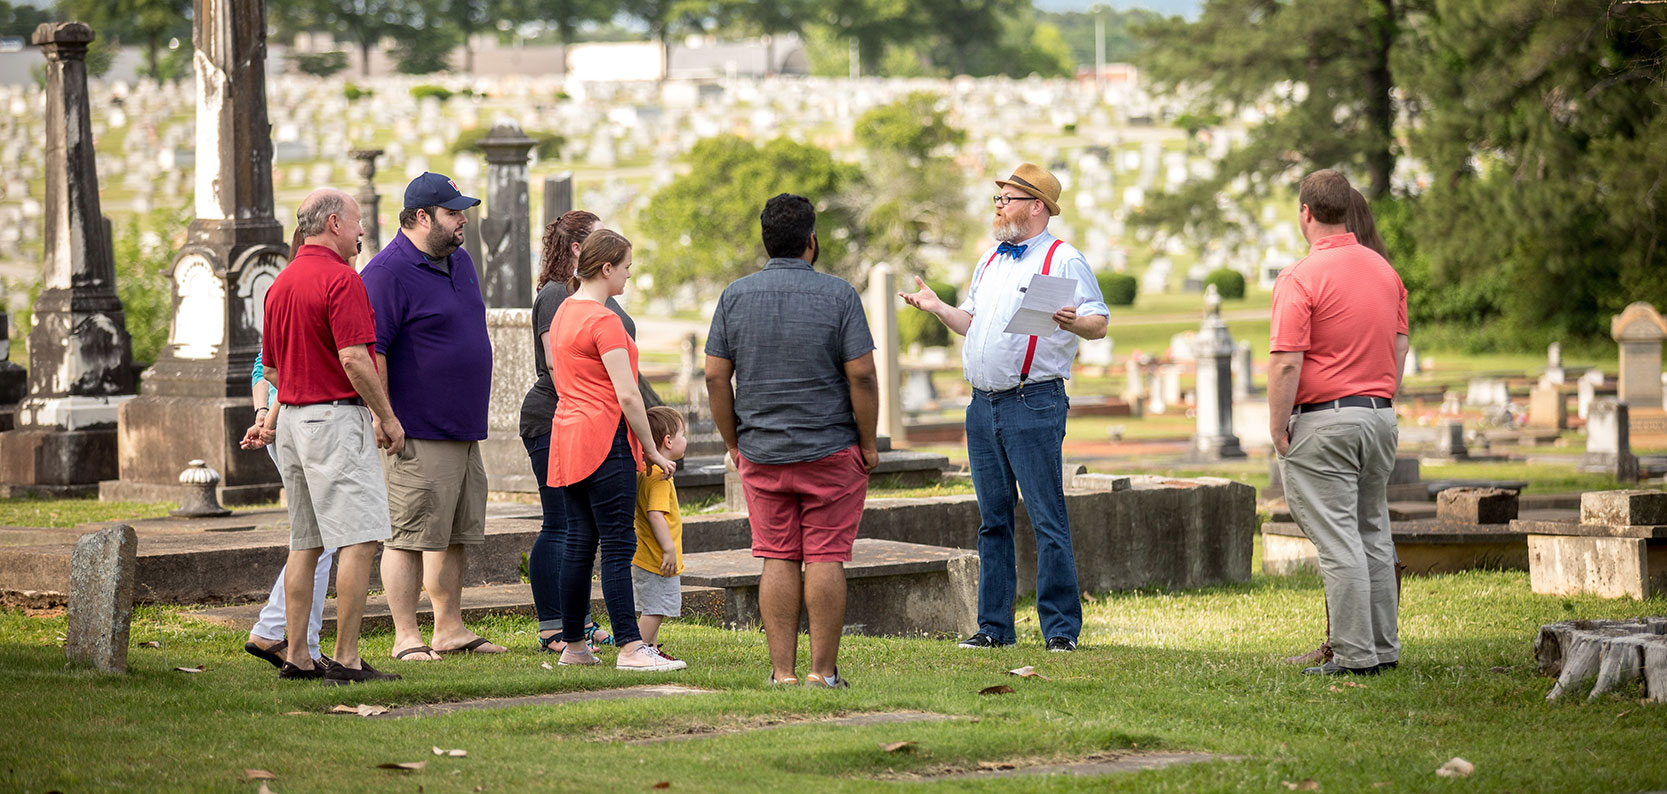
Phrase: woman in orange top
x=599 y=438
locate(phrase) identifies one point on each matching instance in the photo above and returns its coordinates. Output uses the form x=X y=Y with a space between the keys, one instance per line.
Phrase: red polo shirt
x=315 y=308
x=1341 y=307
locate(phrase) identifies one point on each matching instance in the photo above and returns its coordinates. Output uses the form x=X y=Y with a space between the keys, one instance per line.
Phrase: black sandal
x=273 y=654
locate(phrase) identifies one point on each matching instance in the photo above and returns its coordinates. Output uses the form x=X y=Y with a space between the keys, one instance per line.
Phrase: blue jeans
x=601 y=510
x=1014 y=438
x=545 y=561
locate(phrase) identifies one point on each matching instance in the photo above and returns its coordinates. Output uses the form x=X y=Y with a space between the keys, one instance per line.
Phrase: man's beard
x=1009 y=232
x=443 y=243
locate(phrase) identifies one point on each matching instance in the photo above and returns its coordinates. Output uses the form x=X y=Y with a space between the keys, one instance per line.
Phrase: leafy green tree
x=769 y=19
x=1122 y=43
x=1324 y=63
x=702 y=229
x=664 y=17
x=564 y=15
x=21 y=19
x=910 y=192
x=1229 y=283
x=365 y=22
x=152 y=22
x=874 y=25
x=1543 y=126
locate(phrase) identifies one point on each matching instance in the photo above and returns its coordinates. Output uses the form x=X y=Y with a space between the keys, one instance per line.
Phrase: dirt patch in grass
x=872 y=718
x=1109 y=763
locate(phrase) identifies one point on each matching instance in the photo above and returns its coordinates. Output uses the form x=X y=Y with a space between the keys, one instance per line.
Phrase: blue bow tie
x=1009 y=248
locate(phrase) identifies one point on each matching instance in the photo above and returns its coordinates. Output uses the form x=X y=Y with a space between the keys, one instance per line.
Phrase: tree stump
x=1608 y=652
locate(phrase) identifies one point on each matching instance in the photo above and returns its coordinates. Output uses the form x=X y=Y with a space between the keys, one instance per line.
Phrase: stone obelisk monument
x=1214 y=439
x=80 y=356
x=195 y=402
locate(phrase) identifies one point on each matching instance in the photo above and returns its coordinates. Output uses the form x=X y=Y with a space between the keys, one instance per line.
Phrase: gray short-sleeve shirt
x=789 y=330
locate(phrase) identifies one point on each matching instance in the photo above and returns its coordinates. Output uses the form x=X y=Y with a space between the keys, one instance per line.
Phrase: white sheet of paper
x=1044 y=296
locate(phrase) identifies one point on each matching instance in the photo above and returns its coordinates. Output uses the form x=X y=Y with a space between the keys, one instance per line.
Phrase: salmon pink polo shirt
x=587 y=417
x=1341 y=307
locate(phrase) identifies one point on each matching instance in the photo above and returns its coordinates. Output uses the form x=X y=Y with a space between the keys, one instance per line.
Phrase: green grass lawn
x=1158 y=670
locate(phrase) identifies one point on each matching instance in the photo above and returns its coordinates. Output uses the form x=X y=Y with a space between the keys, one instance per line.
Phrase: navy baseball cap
x=436 y=190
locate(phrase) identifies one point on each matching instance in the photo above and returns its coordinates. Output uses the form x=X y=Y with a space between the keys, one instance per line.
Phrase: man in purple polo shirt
x=433 y=352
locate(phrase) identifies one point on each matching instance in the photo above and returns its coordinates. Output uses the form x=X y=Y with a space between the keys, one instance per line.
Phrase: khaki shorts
x=436 y=495
x=328 y=464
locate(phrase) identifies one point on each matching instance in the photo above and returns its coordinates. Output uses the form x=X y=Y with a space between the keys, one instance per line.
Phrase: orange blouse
x=588 y=413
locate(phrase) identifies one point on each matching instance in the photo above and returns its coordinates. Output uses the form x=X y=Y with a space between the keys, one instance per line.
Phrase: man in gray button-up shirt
x=799 y=423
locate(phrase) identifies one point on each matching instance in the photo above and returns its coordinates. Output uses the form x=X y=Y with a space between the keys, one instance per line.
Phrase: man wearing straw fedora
x=1016 y=421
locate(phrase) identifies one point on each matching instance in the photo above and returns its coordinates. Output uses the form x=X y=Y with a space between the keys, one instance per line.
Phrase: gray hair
x=317 y=210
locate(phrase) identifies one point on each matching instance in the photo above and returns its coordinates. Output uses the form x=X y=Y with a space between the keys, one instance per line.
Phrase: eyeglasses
x=1002 y=201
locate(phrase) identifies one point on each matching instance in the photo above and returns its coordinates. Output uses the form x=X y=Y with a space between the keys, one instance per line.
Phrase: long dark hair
x=1358 y=219
x=572 y=227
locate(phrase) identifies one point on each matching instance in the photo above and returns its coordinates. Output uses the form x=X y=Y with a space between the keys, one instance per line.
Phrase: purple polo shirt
x=432 y=328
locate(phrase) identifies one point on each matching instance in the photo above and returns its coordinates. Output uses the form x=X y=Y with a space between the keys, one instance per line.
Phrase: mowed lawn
x=1195 y=670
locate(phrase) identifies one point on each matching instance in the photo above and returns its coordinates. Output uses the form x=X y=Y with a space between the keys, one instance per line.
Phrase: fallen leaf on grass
x=297 y=713
x=547 y=666
x=1382 y=784
x=199 y=668
x=452 y=753
x=663 y=784
x=1355 y=684
x=895 y=746
x=407 y=766
x=1307 y=784
x=257 y=774
x=362 y=709
x=993 y=765
x=999 y=689
x=1333 y=688
x=1458 y=767
x=1028 y=671
x=151 y=644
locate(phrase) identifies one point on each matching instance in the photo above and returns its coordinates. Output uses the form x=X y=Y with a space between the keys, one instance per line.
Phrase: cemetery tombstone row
x=1639 y=331
x=1214 y=439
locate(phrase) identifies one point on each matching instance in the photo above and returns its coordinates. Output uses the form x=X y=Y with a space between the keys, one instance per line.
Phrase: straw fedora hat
x=1036 y=181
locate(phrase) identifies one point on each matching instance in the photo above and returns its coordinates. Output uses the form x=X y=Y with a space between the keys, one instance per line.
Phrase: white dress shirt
x=991 y=359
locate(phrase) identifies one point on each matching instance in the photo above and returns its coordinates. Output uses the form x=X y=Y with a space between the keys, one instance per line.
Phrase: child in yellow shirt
x=656 y=568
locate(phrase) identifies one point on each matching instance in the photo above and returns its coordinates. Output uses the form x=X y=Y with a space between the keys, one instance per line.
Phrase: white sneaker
x=648 y=659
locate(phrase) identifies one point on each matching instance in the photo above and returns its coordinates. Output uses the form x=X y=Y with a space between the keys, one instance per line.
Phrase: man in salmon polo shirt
x=799 y=422
x=1339 y=339
x=318 y=330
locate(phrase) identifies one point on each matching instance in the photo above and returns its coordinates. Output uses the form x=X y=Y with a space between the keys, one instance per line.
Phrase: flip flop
x=272 y=654
x=469 y=648
x=419 y=649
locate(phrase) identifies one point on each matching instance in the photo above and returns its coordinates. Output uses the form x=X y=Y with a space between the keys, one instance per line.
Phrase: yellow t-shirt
x=655 y=494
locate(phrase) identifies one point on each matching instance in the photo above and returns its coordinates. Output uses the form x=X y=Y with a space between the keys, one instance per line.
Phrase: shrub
x=319 y=64
x=429 y=90
x=914 y=325
x=354 y=93
x=1229 y=283
x=1118 y=289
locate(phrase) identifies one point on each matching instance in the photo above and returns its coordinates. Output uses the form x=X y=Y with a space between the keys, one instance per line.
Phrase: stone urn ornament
x=197 y=492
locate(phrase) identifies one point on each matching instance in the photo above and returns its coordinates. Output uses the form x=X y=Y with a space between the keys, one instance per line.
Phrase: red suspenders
x=1030 y=350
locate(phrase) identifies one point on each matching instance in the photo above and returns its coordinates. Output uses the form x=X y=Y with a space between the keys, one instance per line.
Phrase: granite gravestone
x=506 y=274
x=1214 y=439
x=101 y=599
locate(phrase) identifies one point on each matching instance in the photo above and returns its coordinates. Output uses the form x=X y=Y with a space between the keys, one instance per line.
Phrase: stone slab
x=159 y=435
x=478 y=602
x=1622 y=508
x=1476 y=505
x=155 y=492
x=853 y=721
x=892 y=588
x=101 y=599
x=1428 y=547
x=1575 y=528
x=58 y=458
x=1608 y=567
x=628 y=693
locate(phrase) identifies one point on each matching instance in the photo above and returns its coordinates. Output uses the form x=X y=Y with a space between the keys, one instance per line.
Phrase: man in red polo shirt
x=1338 y=341
x=318 y=332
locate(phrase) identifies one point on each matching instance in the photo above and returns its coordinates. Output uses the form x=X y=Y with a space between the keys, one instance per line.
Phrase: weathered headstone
x=1449 y=440
x=1587 y=390
x=1639 y=331
x=195 y=401
x=1554 y=372
x=1134 y=380
x=558 y=196
x=1243 y=362
x=1410 y=367
x=1451 y=404
x=369 y=202
x=80 y=356
x=1547 y=408
x=502 y=454
x=507 y=272
x=101 y=572
x=1487 y=392
x=1214 y=439
x=882 y=319
x=1608 y=441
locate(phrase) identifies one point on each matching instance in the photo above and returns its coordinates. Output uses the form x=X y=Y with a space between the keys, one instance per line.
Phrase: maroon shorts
x=805 y=511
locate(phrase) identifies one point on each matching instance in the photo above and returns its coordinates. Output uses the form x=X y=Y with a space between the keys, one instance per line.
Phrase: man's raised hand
x=924 y=299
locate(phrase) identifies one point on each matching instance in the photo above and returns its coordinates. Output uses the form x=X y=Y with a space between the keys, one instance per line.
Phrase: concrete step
x=478 y=602
x=892 y=588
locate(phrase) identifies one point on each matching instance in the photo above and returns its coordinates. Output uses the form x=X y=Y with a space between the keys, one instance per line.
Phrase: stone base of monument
x=892 y=588
x=159 y=436
x=1617 y=549
x=1213 y=448
x=14 y=381
x=57 y=463
x=477 y=602
x=1608 y=653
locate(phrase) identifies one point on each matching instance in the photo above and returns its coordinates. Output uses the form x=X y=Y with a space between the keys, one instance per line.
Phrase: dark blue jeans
x=1014 y=438
x=545 y=561
x=600 y=511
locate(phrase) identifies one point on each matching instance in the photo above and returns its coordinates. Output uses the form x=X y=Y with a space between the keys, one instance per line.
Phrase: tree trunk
x=153 y=60
x=364 y=58
x=1612 y=652
x=1380 y=105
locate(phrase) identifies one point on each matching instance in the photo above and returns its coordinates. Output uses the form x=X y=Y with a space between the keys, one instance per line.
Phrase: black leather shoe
x=290 y=672
x=982 y=640
x=1382 y=666
x=1333 y=668
x=1061 y=645
x=339 y=674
